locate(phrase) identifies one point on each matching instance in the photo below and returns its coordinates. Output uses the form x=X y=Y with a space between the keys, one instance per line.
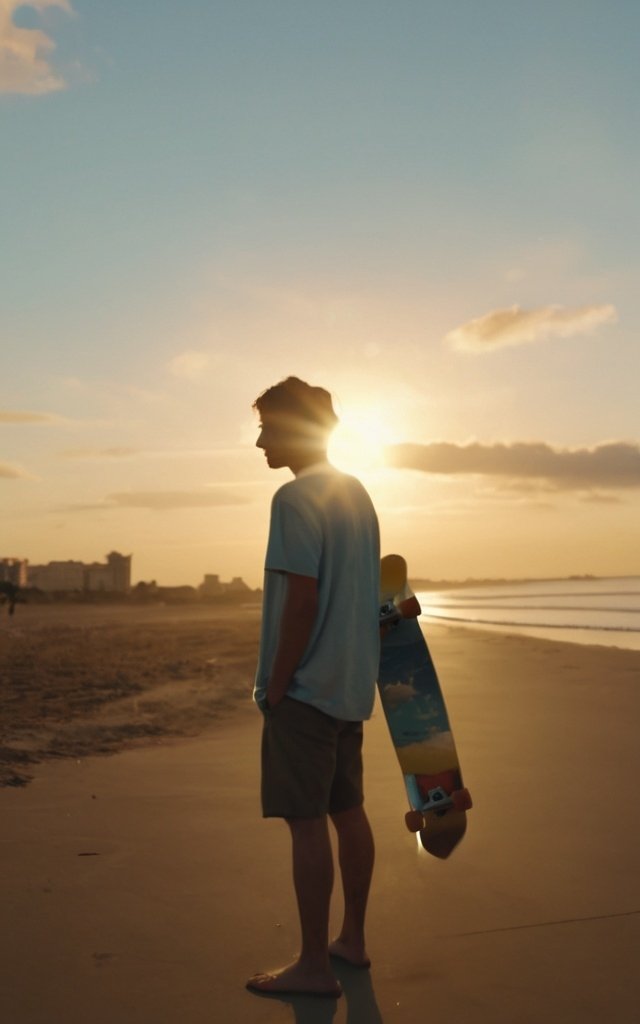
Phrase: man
x=316 y=675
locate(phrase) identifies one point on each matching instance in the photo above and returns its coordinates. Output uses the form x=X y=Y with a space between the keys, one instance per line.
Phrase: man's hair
x=307 y=409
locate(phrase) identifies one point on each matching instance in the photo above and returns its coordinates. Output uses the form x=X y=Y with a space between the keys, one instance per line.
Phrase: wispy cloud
x=163 y=500
x=126 y=452
x=98 y=453
x=612 y=465
x=504 y=328
x=24 y=64
x=15 y=416
x=10 y=472
x=189 y=364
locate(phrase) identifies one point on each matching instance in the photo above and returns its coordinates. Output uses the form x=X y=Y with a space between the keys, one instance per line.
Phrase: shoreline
x=603 y=611
x=491 y=581
x=580 y=636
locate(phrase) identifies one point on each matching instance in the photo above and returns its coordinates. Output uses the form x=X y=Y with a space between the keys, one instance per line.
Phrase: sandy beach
x=82 y=679
x=140 y=884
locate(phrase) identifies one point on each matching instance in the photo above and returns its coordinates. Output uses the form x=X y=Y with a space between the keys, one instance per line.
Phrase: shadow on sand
x=357 y=992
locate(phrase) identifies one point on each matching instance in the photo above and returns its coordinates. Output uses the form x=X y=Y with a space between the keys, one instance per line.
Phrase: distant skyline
x=432 y=210
x=208 y=573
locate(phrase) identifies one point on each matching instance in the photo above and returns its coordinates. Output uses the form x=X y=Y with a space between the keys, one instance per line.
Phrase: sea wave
x=542 y=625
x=588 y=611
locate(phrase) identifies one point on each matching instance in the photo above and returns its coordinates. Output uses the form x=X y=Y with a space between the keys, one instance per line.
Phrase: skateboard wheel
x=414 y=821
x=462 y=800
x=410 y=607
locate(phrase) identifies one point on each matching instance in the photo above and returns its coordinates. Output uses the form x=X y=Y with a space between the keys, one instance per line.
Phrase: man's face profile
x=288 y=441
x=276 y=439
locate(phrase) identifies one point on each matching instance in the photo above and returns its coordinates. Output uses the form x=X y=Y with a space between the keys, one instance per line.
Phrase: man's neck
x=307 y=459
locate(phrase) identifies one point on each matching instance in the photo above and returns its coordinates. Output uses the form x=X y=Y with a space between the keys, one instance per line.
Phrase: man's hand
x=274 y=696
x=296 y=624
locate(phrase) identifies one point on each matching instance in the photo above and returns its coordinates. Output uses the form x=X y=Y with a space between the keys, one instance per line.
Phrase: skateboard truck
x=391 y=613
x=438 y=802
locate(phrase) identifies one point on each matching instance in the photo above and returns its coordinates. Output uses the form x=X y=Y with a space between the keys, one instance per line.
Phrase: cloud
x=163 y=500
x=599 y=498
x=98 y=453
x=398 y=693
x=612 y=465
x=504 y=328
x=189 y=364
x=24 y=67
x=125 y=452
x=9 y=472
x=14 y=416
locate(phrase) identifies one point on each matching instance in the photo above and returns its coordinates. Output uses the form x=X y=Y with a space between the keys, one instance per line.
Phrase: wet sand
x=143 y=887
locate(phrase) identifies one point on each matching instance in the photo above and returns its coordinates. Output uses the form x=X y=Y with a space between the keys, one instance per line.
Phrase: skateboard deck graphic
x=417 y=718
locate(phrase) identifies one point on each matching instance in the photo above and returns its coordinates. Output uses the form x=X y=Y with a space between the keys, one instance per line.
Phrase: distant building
x=212 y=587
x=14 y=570
x=120 y=566
x=114 y=576
x=237 y=585
x=57 y=576
x=98 y=577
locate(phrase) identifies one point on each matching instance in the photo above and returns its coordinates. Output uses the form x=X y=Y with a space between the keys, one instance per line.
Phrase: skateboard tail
x=438 y=805
x=441 y=839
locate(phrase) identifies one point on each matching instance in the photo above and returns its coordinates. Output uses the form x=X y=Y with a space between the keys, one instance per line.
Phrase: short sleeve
x=295 y=540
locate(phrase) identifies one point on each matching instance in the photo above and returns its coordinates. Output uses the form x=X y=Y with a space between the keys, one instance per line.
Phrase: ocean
x=585 y=611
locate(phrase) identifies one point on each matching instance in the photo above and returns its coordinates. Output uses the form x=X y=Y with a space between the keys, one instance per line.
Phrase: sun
x=359 y=440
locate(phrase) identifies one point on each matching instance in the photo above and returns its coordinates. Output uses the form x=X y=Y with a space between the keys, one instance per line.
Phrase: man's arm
x=298 y=616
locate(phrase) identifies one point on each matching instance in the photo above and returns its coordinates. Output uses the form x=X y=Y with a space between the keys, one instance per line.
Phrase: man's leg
x=356 y=855
x=313 y=881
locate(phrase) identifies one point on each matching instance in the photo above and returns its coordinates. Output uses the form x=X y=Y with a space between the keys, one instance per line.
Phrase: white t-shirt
x=323 y=525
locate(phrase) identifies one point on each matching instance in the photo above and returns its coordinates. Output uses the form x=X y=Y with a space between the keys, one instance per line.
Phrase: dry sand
x=143 y=888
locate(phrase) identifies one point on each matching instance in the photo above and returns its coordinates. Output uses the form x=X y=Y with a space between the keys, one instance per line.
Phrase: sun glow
x=359 y=440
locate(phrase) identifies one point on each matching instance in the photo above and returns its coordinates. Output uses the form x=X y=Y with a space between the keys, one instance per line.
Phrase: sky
x=430 y=208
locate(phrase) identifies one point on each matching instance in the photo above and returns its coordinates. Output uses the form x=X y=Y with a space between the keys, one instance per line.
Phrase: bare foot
x=352 y=954
x=297 y=979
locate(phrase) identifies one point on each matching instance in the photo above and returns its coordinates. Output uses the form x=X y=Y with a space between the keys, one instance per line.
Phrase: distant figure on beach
x=315 y=682
x=9 y=593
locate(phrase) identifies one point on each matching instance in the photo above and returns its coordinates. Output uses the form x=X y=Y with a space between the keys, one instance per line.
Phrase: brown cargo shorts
x=311 y=762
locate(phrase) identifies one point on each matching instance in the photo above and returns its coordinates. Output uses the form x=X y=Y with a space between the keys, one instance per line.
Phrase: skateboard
x=417 y=718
